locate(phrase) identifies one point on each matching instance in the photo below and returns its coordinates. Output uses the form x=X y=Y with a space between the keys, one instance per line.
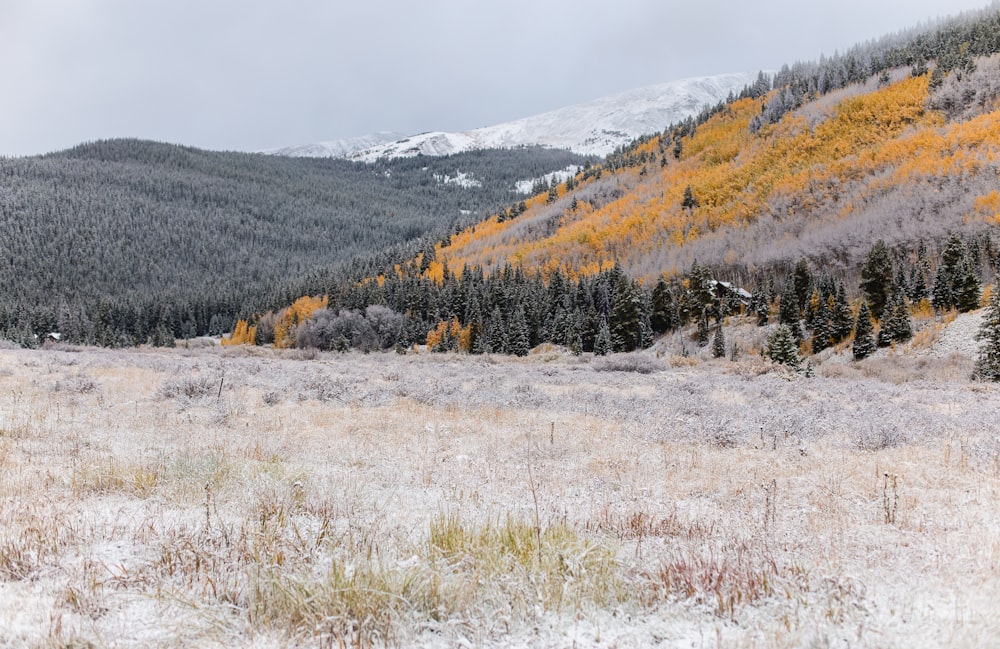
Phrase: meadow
x=246 y=497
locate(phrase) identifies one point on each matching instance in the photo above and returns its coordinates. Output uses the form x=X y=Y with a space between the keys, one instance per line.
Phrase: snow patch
x=461 y=179
x=526 y=187
x=336 y=148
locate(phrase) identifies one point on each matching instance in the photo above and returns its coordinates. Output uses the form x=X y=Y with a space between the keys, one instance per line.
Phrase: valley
x=269 y=498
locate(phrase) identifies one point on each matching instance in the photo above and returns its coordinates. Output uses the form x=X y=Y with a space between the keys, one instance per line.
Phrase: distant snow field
x=596 y=127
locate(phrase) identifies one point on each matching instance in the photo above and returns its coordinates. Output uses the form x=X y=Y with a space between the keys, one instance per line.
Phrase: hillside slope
x=121 y=236
x=889 y=158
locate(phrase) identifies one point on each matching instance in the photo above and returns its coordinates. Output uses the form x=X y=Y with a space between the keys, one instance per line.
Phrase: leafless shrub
x=191 y=387
x=639 y=525
x=638 y=363
x=78 y=384
x=880 y=436
x=323 y=388
x=727 y=580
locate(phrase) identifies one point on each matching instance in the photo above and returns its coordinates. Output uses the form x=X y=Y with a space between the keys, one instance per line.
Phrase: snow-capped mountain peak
x=595 y=127
x=337 y=148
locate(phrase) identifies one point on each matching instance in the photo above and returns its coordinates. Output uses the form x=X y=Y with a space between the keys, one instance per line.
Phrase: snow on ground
x=400 y=500
x=596 y=127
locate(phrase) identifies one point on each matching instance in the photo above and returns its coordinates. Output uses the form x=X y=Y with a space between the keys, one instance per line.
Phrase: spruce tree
x=602 y=344
x=876 y=278
x=864 y=333
x=703 y=330
x=759 y=306
x=494 y=343
x=897 y=326
x=518 y=337
x=803 y=281
x=822 y=325
x=988 y=363
x=789 y=311
x=718 y=343
x=967 y=293
x=782 y=347
x=843 y=317
x=662 y=303
x=942 y=297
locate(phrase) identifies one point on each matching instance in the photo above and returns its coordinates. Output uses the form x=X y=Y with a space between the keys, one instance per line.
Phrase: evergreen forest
x=110 y=241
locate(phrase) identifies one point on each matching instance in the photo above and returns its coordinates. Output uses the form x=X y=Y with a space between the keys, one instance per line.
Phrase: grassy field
x=206 y=498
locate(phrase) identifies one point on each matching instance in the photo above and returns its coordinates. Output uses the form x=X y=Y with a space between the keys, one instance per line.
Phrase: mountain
x=337 y=148
x=880 y=142
x=595 y=127
x=111 y=240
x=895 y=157
x=870 y=174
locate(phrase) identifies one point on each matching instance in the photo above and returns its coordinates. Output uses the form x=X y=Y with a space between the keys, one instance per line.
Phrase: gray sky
x=254 y=74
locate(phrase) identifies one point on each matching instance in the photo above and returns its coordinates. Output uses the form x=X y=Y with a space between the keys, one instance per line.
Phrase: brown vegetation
x=246 y=497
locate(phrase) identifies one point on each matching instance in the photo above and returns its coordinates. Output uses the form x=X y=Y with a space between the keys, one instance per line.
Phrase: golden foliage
x=877 y=140
x=300 y=311
x=243 y=334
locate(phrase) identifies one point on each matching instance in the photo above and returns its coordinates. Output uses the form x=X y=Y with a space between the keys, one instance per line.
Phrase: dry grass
x=200 y=497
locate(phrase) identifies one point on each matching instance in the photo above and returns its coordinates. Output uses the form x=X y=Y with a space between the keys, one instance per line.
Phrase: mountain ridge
x=595 y=127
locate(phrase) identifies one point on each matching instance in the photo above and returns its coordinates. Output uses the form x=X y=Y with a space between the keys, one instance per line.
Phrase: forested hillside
x=897 y=140
x=114 y=241
x=845 y=193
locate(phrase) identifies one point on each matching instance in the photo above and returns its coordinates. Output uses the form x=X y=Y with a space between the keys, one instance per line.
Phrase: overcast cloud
x=255 y=74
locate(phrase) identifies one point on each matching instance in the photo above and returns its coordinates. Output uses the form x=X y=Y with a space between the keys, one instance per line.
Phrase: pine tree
x=803 y=281
x=602 y=344
x=718 y=343
x=988 y=363
x=782 y=347
x=876 y=278
x=789 y=311
x=897 y=326
x=759 y=306
x=843 y=317
x=626 y=315
x=518 y=337
x=967 y=292
x=703 y=329
x=864 y=334
x=942 y=298
x=662 y=302
x=494 y=343
x=822 y=324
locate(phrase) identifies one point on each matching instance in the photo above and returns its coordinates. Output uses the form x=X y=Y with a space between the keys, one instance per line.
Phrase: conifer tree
x=789 y=311
x=662 y=302
x=822 y=325
x=782 y=347
x=602 y=343
x=967 y=291
x=864 y=333
x=518 y=336
x=942 y=297
x=759 y=306
x=988 y=363
x=843 y=317
x=876 y=278
x=494 y=343
x=897 y=326
x=703 y=329
x=718 y=342
x=803 y=281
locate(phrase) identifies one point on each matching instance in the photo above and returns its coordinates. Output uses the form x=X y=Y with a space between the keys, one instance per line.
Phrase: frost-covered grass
x=247 y=498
